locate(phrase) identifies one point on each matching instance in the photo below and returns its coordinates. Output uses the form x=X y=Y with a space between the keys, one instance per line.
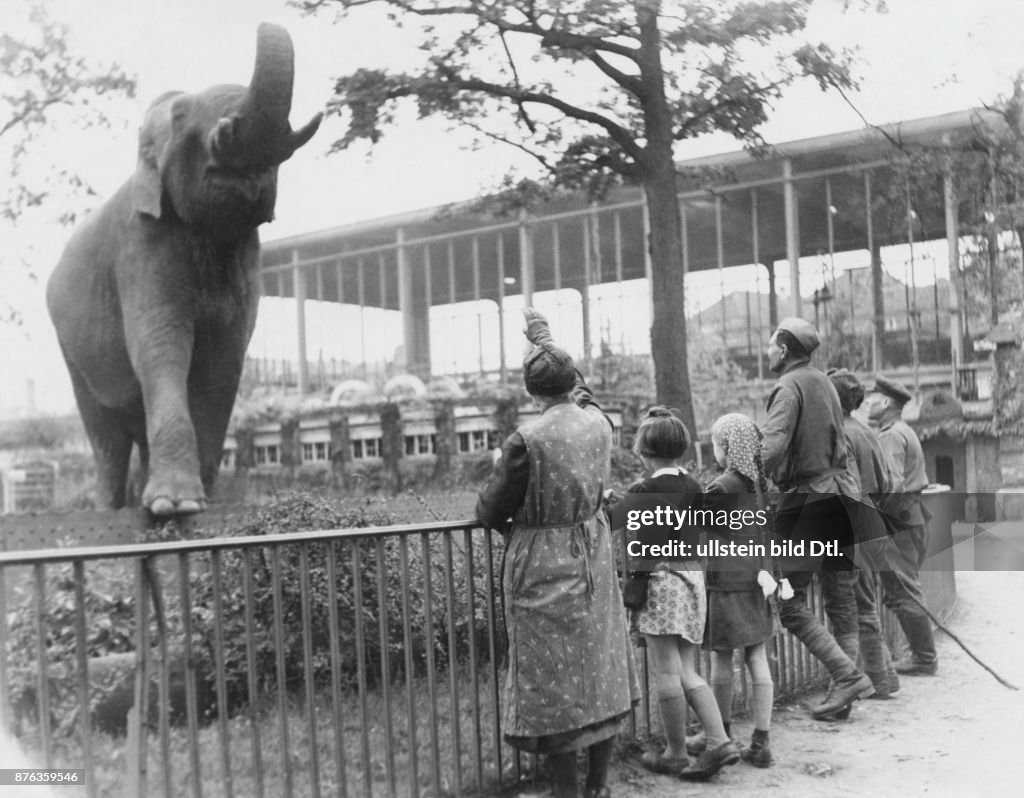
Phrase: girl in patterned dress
x=739 y=614
x=672 y=618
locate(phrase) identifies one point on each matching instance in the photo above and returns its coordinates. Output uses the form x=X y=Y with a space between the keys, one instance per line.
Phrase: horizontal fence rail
x=346 y=662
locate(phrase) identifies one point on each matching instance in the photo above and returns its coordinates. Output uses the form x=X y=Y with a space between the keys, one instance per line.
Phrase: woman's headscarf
x=740 y=439
x=548 y=371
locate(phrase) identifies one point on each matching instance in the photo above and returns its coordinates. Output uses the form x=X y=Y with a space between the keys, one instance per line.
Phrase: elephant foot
x=174 y=495
x=162 y=505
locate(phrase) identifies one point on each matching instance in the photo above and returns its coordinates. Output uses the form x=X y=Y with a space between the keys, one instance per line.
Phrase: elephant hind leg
x=110 y=435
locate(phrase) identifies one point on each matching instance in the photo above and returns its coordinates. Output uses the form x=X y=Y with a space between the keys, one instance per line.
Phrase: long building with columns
x=802 y=207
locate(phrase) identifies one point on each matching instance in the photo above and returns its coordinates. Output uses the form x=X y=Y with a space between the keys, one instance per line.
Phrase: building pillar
x=299 y=276
x=953 y=249
x=792 y=235
x=877 y=310
x=526 y=259
x=415 y=311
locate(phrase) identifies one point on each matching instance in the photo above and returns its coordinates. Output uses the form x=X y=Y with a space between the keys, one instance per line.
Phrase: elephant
x=154 y=298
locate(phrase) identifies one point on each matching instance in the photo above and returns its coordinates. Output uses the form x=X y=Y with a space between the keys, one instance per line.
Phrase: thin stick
x=959 y=642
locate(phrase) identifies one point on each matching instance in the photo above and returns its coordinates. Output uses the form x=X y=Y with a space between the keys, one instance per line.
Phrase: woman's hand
x=537 y=330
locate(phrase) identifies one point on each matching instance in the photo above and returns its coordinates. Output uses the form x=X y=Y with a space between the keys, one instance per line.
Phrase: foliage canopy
x=597 y=92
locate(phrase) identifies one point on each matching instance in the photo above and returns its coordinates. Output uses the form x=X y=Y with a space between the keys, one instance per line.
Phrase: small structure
x=28 y=487
x=961 y=450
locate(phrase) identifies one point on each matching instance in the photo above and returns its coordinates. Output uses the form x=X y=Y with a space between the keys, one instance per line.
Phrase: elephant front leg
x=111 y=435
x=161 y=354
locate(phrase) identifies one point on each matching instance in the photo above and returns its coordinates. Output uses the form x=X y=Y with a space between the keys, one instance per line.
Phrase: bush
x=300 y=512
x=109 y=629
x=110 y=607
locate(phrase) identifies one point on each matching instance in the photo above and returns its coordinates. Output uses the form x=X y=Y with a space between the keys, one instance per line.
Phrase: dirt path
x=957 y=734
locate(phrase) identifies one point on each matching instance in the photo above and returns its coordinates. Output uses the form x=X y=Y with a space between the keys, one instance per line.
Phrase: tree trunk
x=668 y=324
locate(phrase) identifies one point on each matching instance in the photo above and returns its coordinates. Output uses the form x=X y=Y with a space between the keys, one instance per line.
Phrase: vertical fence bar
x=410 y=690
x=474 y=676
x=282 y=696
x=385 y=665
x=492 y=643
x=82 y=658
x=220 y=682
x=137 y=760
x=428 y=634
x=185 y=597
x=335 y=654
x=453 y=661
x=781 y=659
x=164 y=682
x=250 y=661
x=307 y=665
x=357 y=599
x=43 y=676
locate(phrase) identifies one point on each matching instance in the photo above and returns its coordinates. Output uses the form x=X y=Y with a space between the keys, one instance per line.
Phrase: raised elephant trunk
x=260 y=134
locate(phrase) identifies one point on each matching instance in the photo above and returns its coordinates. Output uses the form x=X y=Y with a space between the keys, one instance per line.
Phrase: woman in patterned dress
x=570 y=677
x=739 y=614
x=672 y=618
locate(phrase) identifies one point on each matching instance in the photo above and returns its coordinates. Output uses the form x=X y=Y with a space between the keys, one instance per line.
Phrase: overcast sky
x=924 y=57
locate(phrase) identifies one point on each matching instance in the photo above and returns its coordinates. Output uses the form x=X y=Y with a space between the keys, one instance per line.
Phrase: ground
x=956 y=734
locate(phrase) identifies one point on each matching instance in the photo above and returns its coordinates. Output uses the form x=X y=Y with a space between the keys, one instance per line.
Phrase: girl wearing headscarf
x=570 y=675
x=671 y=614
x=739 y=613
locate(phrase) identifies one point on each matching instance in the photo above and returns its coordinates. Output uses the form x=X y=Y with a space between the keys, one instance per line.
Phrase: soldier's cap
x=892 y=389
x=802 y=330
x=849 y=388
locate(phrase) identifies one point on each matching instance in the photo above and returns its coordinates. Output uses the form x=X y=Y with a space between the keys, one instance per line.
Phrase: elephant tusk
x=222 y=137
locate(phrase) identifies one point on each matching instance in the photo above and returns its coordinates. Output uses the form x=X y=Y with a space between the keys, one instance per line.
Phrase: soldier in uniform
x=804 y=452
x=873 y=542
x=904 y=514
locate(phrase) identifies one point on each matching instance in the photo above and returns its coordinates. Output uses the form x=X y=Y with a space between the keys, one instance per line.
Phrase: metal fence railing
x=354 y=662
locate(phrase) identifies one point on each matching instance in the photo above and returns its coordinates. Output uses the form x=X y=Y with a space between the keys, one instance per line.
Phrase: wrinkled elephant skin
x=154 y=299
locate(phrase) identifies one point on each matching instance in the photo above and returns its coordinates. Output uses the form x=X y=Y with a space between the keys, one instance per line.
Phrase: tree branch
x=631 y=83
x=512 y=143
x=619 y=134
x=515 y=76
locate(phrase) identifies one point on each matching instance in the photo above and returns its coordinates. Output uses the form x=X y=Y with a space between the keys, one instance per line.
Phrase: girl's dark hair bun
x=660 y=411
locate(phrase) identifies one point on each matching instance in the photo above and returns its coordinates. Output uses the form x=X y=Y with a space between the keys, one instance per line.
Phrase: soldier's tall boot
x=873 y=652
x=849 y=683
x=923 y=661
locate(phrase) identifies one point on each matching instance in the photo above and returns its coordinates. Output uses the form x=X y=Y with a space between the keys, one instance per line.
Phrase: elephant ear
x=158 y=129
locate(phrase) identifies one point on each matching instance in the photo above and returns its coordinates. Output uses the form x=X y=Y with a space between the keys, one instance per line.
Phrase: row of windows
x=478 y=440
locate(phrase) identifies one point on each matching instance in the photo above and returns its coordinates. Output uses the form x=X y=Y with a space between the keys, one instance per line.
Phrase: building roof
x=828 y=172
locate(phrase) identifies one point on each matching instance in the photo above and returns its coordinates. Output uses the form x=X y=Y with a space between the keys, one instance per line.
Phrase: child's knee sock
x=764 y=697
x=672 y=705
x=702 y=699
x=721 y=685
